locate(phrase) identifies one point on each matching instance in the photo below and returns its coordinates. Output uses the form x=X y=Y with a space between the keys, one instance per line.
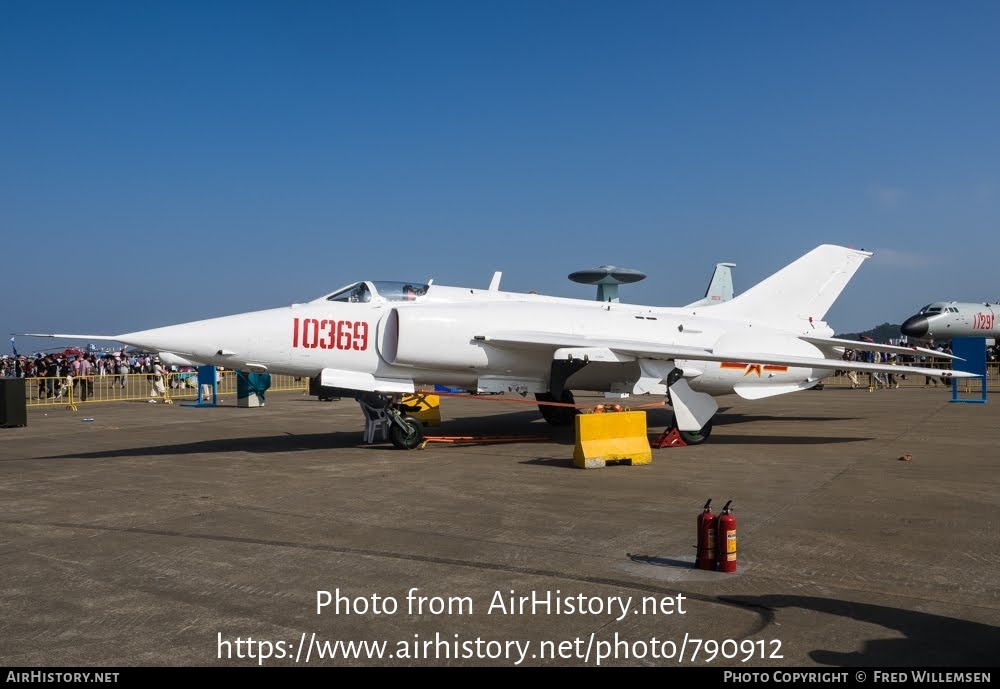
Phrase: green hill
x=880 y=333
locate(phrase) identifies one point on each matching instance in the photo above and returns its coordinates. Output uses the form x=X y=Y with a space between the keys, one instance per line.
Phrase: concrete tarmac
x=160 y=535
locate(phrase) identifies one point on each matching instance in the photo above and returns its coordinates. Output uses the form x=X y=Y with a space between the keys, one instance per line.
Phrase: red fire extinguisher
x=725 y=539
x=706 y=539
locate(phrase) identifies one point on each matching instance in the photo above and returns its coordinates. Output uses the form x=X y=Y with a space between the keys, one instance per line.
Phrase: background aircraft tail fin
x=806 y=288
x=720 y=287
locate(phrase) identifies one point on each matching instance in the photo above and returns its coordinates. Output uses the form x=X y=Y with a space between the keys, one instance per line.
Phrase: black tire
x=557 y=416
x=693 y=437
x=409 y=439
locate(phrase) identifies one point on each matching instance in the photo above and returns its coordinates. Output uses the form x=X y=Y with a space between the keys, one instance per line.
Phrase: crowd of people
x=81 y=368
x=892 y=380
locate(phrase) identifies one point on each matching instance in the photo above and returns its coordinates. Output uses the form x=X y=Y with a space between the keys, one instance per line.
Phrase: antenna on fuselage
x=607 y=279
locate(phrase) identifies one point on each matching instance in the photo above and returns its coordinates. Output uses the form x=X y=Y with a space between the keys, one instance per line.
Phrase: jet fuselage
x=944 y=320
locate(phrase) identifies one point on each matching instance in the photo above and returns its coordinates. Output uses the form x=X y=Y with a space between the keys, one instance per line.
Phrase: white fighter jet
x=944 y=320
x=378 y=340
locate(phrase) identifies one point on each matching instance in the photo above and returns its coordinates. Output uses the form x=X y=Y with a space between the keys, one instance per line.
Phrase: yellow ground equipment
x=611 y=436
x=428 y=408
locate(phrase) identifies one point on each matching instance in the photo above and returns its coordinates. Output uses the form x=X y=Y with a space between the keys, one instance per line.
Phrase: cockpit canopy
x=385 y=290
x=937 y=307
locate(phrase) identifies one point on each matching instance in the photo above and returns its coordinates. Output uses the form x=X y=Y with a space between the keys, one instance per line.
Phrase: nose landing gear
x=405 y=432
x=388 y=414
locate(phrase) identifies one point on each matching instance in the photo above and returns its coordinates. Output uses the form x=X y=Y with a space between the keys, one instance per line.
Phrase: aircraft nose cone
x=915 y=326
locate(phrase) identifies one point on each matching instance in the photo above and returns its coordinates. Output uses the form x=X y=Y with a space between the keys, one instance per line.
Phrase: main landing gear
x=557 y=416
x=693 y=437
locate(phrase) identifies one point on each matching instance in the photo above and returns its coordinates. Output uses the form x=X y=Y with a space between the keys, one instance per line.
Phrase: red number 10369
x=324 y=333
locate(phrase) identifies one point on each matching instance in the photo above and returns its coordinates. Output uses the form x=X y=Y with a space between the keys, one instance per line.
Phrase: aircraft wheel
x=408 y=439
x=693 y=437
x=557 y=416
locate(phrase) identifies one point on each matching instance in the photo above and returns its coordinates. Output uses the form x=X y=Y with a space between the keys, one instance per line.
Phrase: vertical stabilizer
x=805 y=288
x=720 y=287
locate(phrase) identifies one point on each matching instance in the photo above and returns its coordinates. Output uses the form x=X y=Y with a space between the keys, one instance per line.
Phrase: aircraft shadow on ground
x=659 y=418
x=526 y=423
x=732 y=419
x=514 y=423
x=531 y=423
x=254 y=445
x=721 y=439
x=929 y=640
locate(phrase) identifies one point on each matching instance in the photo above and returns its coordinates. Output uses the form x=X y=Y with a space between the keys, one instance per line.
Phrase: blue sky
x=169 y=161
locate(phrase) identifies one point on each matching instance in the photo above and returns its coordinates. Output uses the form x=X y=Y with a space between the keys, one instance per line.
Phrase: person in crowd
x=91 y=371
x=890 y=378
x=158 y=388
x=52 y=377
x=85 y=371
x=79 y=368
x=121 y=367
x=851 y=355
